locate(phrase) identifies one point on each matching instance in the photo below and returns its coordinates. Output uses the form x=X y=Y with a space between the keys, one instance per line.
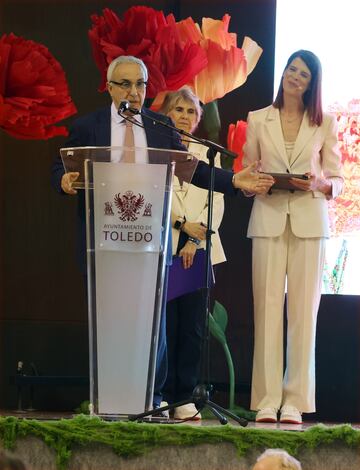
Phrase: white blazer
x=315 y=151
x=190 y=202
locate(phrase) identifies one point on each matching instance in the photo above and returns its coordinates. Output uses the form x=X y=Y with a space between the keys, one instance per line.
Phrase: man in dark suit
x=126 y=81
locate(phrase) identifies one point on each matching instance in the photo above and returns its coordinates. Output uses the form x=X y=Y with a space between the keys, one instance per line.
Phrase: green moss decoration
x=133 y=439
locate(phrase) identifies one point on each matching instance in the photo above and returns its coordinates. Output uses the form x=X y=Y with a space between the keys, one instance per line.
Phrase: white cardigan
x=190 y=202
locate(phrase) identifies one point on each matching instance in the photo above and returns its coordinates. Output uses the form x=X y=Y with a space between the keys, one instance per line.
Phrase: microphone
x=124 y=106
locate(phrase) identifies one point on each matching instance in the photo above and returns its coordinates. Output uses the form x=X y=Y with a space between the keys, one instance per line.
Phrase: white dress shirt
x=118 y=137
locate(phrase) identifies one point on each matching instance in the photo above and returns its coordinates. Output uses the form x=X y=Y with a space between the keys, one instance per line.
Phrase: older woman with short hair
x=186 y=314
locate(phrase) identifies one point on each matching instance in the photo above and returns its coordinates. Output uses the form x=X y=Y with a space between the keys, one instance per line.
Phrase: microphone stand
x=124 y=106
x=201 y=394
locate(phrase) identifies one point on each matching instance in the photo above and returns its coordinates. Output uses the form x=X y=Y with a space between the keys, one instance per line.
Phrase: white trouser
x=300 y=261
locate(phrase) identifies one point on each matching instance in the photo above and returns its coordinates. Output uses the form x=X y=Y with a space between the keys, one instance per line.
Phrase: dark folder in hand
x=183 y=281
x=282 y=180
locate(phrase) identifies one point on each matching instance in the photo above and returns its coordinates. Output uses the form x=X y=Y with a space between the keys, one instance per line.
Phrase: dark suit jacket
x=95 y=130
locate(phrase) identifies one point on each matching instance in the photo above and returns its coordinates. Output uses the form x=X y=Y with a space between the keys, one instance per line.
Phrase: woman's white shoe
x=266 y=415
x=290 y=414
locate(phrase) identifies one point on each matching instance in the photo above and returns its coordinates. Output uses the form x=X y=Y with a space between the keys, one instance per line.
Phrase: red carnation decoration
x=235 y=141
x=34 y=94
x=149 y=35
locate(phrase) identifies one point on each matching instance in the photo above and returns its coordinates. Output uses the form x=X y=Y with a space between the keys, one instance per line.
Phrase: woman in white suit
x=288 y=230
x=185 y=314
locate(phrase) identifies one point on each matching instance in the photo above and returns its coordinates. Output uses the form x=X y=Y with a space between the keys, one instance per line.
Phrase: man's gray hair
x=286 y=461
x=125 y=59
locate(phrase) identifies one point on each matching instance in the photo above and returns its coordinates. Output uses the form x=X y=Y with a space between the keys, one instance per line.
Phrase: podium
x=128 y=208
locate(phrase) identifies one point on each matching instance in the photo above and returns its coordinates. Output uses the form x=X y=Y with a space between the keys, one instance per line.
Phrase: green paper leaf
x=220 y=315
x=216 y=330
x=211 y=120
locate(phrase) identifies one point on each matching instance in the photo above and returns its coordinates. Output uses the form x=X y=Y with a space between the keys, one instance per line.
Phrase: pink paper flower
x=228 y=65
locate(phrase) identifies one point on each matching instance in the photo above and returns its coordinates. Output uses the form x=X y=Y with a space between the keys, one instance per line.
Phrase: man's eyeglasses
x=126 y=85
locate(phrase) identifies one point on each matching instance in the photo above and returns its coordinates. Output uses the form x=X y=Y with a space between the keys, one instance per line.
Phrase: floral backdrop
x=341 y=274
x=345 y=211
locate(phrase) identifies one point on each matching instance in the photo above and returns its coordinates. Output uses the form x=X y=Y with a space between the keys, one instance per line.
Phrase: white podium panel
x=124 y=324
x=129 y=207
x=127 y=237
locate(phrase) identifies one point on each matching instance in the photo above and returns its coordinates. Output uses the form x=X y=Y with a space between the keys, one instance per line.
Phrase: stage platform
x=54 y=441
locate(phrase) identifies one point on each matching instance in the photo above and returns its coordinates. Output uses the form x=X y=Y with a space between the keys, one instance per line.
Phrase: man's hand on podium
x=251 y=181
x=67 y=181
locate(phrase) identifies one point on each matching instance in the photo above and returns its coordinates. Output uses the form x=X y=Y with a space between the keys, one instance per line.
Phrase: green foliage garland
x=133 y=439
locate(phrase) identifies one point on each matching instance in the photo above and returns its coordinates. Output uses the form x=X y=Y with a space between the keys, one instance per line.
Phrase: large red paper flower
x=152 y=37
x=34 y=93
x=235 y=141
